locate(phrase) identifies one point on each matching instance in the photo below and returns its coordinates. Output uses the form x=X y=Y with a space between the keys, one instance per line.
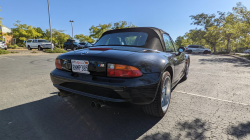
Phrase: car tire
x=186 y=71
x=189 y=51
x=29 y=48
x=158 y=107
x=205 y=52
x=5 y=48
x=65 y=48
x=39 y=48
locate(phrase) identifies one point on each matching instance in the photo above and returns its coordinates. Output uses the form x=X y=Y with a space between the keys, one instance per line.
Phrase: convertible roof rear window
x=123 y=39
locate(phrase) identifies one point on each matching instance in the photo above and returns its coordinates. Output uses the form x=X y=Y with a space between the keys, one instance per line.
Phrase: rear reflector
x=58 y=64
x=101 y=49
x=117 y=70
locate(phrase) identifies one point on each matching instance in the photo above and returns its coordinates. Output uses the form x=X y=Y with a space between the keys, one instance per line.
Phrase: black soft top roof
x=154 y=40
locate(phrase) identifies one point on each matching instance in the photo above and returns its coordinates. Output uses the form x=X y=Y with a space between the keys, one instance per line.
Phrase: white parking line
x=212 y=98
x=6 y=58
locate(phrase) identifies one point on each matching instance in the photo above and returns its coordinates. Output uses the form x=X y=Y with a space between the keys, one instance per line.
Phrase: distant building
x=6 y=38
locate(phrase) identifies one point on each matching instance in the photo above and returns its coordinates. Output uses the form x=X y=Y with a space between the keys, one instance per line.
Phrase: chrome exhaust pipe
x=100 y=105
x=93 y=104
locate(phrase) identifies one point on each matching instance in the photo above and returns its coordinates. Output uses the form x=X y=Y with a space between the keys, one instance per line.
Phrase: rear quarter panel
x=148 y=62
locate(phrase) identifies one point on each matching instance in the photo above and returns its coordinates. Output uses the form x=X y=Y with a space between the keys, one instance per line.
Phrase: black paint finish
x=141 y=90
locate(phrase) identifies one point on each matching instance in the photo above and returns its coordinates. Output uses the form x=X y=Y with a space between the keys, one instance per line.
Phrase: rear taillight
x=58 y=64
x=5 y=44
x=117 y=70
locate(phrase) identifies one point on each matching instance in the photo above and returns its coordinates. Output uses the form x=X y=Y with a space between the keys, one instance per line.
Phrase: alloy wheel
x=166 y=94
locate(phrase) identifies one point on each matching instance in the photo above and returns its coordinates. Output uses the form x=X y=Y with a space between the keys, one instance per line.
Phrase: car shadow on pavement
x=72 y=118
x=239 y=131
x=194 y=130
x=236 y=62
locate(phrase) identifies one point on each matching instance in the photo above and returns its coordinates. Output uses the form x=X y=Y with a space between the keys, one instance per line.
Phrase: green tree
x=22 y=32
x=39 y=30
x=84 y=38
x=58 y=36
x=97 y=31
x=211 y=31
x=0 y=25
x=122 y=24
x=242 y=16
x=179 y=41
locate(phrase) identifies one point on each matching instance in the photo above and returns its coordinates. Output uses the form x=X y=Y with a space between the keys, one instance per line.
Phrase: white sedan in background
x=3 y=45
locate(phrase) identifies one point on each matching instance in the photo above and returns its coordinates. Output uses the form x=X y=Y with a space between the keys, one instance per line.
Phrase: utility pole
x=50 y=26
x=72 y=27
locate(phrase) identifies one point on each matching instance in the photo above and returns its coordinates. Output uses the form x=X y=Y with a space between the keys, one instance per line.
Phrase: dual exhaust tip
x=97 y=105
x=93 y=104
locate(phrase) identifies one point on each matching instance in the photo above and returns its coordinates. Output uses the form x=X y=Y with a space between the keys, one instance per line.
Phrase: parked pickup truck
x=39 y=44
x=3 y=45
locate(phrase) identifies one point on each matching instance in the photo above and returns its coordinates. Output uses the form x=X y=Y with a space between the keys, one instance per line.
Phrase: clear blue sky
x=170 y=15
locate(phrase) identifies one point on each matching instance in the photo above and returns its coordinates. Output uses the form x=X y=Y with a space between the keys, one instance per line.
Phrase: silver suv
x=39 y=44
x=197 y=49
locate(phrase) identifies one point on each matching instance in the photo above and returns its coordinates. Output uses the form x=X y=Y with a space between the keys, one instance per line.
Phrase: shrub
x=8 y=45
x=55 y=50
x=21 y=44
x=14 y=52
x=33 y=52
x=3 y=52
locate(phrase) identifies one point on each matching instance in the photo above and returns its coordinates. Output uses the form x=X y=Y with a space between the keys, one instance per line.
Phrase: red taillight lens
x=58 y=64
x=5 y=44
x=117 y=70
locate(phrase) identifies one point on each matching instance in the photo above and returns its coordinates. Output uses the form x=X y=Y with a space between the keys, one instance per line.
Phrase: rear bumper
x=141 y=90
x=3 y=47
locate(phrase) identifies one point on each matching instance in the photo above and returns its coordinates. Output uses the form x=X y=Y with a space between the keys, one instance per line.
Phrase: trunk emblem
x=100 y=65
x=83 y=53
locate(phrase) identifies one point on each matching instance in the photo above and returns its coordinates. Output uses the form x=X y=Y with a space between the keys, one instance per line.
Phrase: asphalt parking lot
x=214 y=103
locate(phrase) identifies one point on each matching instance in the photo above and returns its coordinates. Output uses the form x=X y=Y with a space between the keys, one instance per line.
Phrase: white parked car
x=247 y=51
x=39 y=44
x=197 y=49
x=3 y=45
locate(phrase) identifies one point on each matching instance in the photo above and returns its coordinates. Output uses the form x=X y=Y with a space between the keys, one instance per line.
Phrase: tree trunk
x=214 y=45
x=228 y=41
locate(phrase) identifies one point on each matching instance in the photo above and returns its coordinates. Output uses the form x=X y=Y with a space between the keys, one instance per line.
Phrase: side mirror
x=181 y=49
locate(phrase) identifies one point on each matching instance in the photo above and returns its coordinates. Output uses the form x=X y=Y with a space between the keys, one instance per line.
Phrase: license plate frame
x=80 y=66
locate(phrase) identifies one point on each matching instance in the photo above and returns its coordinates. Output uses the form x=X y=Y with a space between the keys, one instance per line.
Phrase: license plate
x=80 y=66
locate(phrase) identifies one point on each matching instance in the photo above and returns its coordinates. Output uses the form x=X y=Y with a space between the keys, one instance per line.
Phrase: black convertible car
x=137 y=65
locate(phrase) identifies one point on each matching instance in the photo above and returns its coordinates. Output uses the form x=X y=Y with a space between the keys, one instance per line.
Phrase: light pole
x=72 y=27
x=50 y=26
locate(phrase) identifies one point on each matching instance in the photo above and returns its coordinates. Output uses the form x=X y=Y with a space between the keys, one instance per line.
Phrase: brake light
x=5 y=44
x=117 y=70
x=58 y=64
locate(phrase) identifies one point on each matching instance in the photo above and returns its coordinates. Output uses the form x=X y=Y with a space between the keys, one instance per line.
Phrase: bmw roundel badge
x=83 y=53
